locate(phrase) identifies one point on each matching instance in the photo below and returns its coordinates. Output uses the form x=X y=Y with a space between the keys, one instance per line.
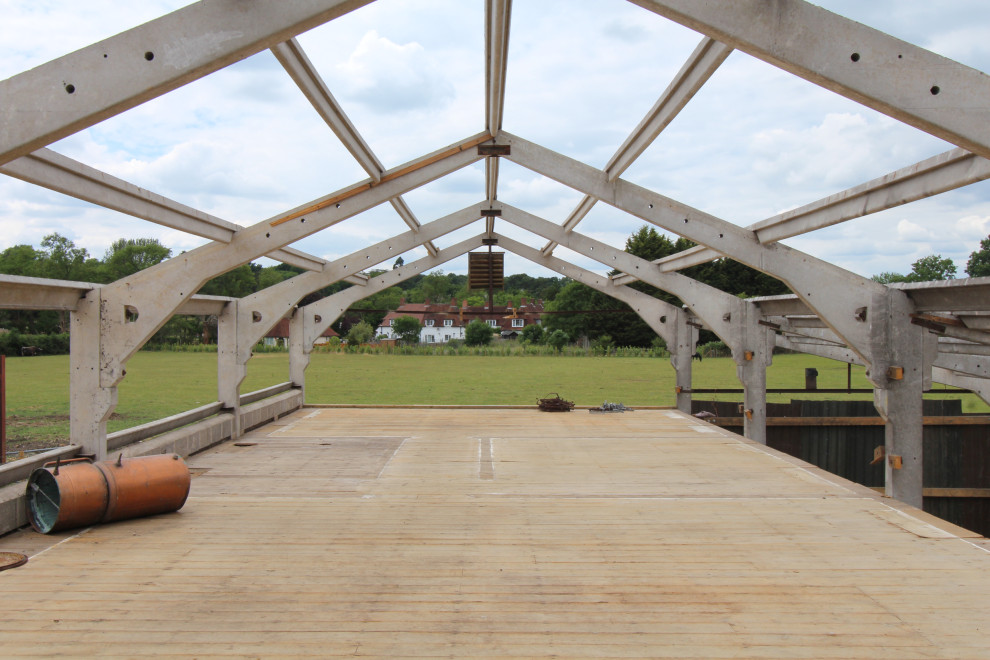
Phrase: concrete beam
x=812 y=279
x=947 y=171
x=310 y=321
x=731 y=318
x=970 y=294
x=498 y=15
x=658 y=314
x=716 y=308
x=665 y=319
x=38 y=293
x=323 y=313
x=54 y=171
x=979 y=386
x=700 y=66
x=259 y=312
x=173 y=281
x=293 y=59
x=99 y=81
x=928 y=91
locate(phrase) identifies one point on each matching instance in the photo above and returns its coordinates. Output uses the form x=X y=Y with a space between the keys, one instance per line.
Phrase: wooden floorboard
x=513 y=533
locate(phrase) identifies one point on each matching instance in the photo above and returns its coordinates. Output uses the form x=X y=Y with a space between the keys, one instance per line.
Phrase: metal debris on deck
x=555 y=404
x=12 y=560
x=607 y=407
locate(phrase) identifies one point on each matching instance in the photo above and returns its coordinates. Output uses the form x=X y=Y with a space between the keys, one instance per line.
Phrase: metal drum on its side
x=78 y=492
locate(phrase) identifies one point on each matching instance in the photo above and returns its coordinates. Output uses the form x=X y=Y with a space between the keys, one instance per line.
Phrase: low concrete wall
x=184 y=441
x=267 y=410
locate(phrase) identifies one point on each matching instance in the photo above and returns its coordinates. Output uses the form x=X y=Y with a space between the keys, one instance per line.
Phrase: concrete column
x=299 y=350
x=753 y=376
x=753 y=355
x=680 y=358
x=899 y=376
x=231 y=370
x=90 y=405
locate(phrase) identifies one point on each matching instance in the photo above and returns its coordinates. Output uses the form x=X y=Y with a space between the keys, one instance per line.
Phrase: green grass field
x=162 y=384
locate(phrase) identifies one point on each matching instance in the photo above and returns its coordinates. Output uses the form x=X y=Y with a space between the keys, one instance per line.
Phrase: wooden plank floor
x=505 y=533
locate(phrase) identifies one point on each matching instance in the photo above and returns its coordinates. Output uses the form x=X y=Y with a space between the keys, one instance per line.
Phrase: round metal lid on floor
x=11 y=560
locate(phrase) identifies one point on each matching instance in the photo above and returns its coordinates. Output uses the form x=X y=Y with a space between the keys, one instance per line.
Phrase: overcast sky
x=244 y=144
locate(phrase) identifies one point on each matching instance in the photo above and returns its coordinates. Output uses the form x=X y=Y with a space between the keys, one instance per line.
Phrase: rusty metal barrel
x=79 y=492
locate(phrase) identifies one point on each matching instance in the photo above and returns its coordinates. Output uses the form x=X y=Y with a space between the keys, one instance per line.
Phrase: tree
x=979 y=261
x=557 y=339
x=931 y=268
x=20 y=260
x=435 y=286
x=532 y=334
x=608 y=316
x=62 y=260
x=235 y=283
x=271 y=276
x=478 y=333
x=398 y=263
x=360 y=333
x=407 y=328
x=126 y=256
x=889 y=277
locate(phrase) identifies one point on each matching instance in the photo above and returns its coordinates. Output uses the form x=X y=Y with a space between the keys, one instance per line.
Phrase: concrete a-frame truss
x=833 y=312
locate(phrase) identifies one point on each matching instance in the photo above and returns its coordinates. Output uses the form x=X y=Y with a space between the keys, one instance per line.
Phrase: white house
x=441 y=322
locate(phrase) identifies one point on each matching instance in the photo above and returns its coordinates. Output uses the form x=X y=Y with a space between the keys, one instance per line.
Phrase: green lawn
x=162 y=384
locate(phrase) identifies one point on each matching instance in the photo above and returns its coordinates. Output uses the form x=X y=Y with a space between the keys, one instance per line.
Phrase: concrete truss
x=906 y=336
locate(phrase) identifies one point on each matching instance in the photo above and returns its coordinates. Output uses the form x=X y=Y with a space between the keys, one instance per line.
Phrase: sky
x=243 y=144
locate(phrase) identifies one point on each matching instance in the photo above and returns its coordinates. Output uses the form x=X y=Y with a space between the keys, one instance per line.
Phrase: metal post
x=491 y=281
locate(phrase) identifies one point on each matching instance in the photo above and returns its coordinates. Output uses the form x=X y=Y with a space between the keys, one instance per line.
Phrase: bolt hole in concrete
x=149 y=56
x=854 y=57
x=70 y=88
x=935 y=90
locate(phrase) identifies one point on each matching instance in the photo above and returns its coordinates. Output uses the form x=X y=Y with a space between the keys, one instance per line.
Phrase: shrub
x=478 y=333
x=557 y=340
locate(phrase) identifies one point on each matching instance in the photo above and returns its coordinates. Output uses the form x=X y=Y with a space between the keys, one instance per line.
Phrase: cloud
x=390 y=78
x=909 y=231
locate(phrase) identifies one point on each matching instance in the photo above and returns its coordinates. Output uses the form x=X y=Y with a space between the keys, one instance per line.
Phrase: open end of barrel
x=43 y=500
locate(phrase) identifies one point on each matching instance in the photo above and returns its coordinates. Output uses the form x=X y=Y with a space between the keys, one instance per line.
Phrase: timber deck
x=488 y=533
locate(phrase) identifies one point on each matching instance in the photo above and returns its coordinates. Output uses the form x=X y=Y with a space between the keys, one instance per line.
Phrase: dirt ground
x=22 y=433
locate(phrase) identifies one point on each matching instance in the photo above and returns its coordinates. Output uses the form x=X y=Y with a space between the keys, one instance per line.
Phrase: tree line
x=607 y=320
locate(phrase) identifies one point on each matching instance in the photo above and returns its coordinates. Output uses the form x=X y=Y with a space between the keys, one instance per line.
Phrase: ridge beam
x=498 y=15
